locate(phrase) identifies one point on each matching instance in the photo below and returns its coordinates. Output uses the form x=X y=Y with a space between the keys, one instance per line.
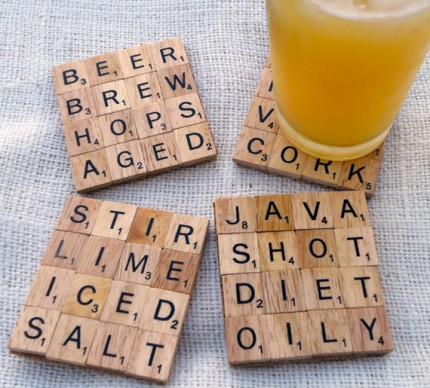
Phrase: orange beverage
x=342 y=68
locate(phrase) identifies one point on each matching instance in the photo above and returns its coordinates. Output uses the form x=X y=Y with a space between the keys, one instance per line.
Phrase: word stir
x=299 y=277
x=113 y=288
x=131 y=113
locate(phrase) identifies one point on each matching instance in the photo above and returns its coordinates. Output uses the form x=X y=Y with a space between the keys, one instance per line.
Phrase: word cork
x=113 y=289
x=261 y=146
x=299 y=278
x=131 y=113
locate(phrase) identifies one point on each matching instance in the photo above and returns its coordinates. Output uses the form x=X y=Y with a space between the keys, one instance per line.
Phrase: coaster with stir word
x=113 y=289
x=262 y=147
x=299 y=277
x=131 y=113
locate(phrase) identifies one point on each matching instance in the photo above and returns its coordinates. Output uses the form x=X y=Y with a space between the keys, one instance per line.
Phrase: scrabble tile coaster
x=261 y=146
x=299 y=278
x=131 y=113
x=113 y=289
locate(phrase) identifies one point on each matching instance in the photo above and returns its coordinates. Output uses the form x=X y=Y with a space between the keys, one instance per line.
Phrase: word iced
x=113 y=288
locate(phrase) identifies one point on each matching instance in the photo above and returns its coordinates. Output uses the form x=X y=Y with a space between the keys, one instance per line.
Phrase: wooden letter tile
x=76 y=105
x=143 y=89
x=278 y=251
x=235 y=215
x=90 y=171
x=176 y=271
x=150 y=226
x=164 y=312
x=187 y=233
x=288 y=336
x=361 y=287
x=265 y=85
x=160 y=152
x=78 y=215
x=317 y=248
x=349 y=209
x=138 y=264
x=125 y=303
x=152 y=119
x=360 y=174
x=114 y=220
x=286 y=159
x=168 y=53
x=243 y=295
x=254 y=147
x=111 y=347
x=177 y=81
x=72 y=339
x=33 y=331
x=356 y=247
x=312 y=211
x=126 y=161
x=49 y=288
x=195 y=144
x=118 y=127
x=104 y=68
x=274 y=213
x=322 y=171
x=331 y=334
x=238 y=253
x=110 y=97
x=245 y=340
x=322 y=288
x=86 y=296
x=262 y=115
x=152 y=356
x=283 y=291
x=185 y=110
x=83 y=136
x=136 y=60
x=370 y=330
x=70 y=76
x=100 y=256
x=64 y=250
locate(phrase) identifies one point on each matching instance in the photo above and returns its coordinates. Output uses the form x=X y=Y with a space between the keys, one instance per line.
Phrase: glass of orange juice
x=342 y=68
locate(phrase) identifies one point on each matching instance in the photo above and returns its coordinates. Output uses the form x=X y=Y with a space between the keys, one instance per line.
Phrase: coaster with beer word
x=131 y=113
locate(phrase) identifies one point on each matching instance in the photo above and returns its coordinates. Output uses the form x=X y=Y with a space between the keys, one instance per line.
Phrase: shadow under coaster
x=260 y=146
x=131 y=113
x=299 y=276
x=113 y=289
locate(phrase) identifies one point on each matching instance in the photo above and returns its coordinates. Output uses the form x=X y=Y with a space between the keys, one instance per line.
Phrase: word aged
x=261 y=146
x=131 y=113
x=299 y=277
x=113 y=288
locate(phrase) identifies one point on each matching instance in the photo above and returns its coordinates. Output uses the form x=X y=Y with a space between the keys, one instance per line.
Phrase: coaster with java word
x=131 y=113
x=261 y=146
x=299 y=277
x=113 y=289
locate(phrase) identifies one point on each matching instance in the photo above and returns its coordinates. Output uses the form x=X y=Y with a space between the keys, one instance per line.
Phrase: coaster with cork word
x=261 y=146
x=131 y=113
x=113 y=289
x=299 y=278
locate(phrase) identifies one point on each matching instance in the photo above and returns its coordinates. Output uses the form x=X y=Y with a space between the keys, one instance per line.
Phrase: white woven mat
x=227 y=44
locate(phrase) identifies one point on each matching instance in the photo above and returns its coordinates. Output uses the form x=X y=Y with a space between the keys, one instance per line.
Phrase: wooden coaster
x=131 y=113
x=299 y=277
x=261 y=146
x=113 y=289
